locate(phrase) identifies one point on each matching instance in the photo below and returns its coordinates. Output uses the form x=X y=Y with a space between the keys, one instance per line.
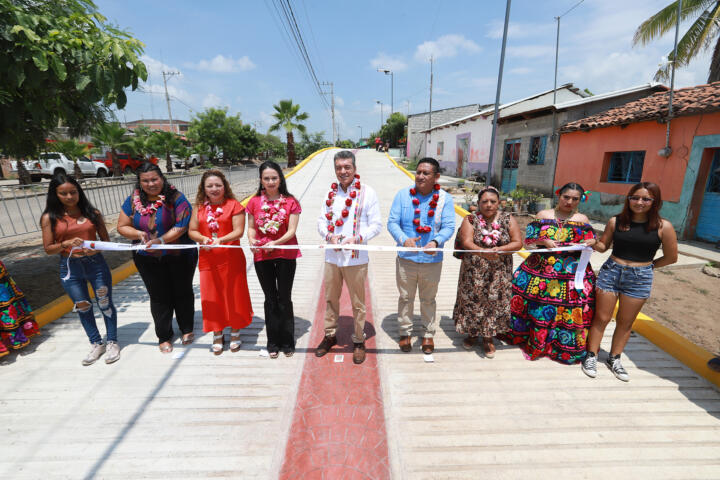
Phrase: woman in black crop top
x=626 y=277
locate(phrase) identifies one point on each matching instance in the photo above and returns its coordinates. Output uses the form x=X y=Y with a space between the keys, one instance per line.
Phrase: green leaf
x=117 y=51
x=121 y=100
x=40 y=61
x=58 y=67
x=82 y=82
x=20 y=78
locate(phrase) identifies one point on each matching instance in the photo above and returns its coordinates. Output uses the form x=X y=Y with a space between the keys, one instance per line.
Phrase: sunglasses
x=636 y=198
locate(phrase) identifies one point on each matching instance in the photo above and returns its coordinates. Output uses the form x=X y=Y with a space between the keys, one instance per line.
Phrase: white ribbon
x=114 y=246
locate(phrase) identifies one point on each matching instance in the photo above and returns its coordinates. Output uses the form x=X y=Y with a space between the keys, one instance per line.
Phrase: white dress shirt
x=369 y=226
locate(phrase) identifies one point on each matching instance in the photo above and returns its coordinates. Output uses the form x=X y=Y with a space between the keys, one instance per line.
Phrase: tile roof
x=686 y=101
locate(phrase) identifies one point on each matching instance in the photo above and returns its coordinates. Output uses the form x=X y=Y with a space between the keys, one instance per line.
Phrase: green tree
x=112 y=136
x=394 y=129
x=243 y=141
x=311 y=142
x=346 y=144
x=138 y=143
x=73 y=150
x=270 y=146
x=701 y=35
x=288 y=119
x=60 y=61
x=211 y=131
x=166 y=144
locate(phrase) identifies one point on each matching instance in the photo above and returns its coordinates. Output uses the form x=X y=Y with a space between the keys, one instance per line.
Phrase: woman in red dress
x=219 y=219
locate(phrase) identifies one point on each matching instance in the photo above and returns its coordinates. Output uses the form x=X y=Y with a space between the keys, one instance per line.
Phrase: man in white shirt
x=349 y=215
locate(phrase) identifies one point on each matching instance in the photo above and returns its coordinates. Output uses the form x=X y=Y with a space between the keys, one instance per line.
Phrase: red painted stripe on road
x=338 y=430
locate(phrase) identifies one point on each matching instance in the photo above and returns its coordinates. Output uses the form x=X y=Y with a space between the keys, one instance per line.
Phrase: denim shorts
x=620 y=279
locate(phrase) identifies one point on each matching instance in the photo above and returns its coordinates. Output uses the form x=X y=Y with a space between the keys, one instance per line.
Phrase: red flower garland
x=431 y=212
x=352 y=194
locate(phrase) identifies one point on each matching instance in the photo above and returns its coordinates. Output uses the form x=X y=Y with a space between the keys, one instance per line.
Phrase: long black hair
x=168 y=189
x=55 y=209
x=283 y=185
x=570 y=186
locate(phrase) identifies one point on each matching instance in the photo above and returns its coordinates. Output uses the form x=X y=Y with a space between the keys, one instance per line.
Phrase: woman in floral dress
x=550 y=317
x=482 y=307
x=17 y=323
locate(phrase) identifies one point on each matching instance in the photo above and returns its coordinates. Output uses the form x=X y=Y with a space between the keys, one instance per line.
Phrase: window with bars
x=511 y=153
x=537 y=150
x=625 y=167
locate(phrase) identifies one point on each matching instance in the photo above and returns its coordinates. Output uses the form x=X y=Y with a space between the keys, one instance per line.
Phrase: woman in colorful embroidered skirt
x=17 y=323
x=272 y=220
x=484 y=288
x=626 y=277
x=219 y=219
x=156 y=214
x=549 y=316
x=68 y=220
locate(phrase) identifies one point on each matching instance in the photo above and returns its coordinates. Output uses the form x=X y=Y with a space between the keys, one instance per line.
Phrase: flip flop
x=166 y=347
x=188 y=338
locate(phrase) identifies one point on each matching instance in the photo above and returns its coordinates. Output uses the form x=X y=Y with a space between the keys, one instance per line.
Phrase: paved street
x=194 y=415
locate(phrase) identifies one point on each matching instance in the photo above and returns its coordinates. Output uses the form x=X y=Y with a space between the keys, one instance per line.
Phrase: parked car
x=52 y=163
x=193 y=161
x=128 y=163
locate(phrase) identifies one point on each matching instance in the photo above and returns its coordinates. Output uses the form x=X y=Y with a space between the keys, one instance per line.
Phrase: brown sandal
x=165 y=347
x=188 y=338
x=469 y=342
x=489 y=347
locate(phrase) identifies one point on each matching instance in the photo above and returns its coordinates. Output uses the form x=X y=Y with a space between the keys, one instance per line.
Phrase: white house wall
x=480 y=131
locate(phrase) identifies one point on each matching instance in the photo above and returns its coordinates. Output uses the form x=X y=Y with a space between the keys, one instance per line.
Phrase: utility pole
x=497 y=94
x=360 y=139
x=167 y=97
x=332 y=107
x=430 y=111
x=381 y=112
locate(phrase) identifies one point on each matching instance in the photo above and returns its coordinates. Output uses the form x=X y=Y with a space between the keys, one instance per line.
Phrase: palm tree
x=112 y=136
x=166 y=143
x=702 y=34
x=288 y=118
x=139 y=143
x=73 y=150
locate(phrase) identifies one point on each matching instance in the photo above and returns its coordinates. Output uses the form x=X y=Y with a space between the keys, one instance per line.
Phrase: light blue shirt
x=401 y=227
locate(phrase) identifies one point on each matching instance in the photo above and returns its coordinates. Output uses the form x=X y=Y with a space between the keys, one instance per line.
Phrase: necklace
x=272 y=215
x=489 y=237
x=211 y=219
x=151 y=208
x=353 y=190
x=431 y=212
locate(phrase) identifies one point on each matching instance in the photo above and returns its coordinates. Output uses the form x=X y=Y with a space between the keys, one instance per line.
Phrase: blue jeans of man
x=95 y=270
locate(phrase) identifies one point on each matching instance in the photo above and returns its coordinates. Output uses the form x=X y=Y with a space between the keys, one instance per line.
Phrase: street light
x=392 y=88
x=360 y=127
x=381 y=112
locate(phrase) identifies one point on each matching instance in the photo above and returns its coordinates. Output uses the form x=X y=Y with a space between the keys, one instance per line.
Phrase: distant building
x=179 y=126
x=418 y=122
x=609 y=152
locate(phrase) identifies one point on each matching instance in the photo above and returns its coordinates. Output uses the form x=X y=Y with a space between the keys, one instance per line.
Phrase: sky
x=235 y=54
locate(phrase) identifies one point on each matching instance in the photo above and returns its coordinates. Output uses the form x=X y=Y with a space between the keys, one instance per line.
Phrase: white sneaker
x=112 y=352
x=589 y=365
x=96 y=351
x=614 y=364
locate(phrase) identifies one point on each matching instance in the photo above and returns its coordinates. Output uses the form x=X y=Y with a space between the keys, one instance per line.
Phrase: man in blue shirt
x=421 y=216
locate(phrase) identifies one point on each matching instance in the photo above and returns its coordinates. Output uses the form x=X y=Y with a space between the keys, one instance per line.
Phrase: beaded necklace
x=489 y=237
x=431 y=212
x=210 y=218
x=272 y=215
x=353 y=189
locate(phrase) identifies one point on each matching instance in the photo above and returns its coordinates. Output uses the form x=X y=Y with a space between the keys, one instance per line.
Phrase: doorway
x=462 y=146
x=708 y=222
x=511 y=159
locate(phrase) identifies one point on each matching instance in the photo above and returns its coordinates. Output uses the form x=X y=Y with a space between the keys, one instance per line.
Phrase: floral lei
x=431 y=212
x=352 y=194
x=210 y=217
x=489 y=237
x=272 y=215
x=151 y=208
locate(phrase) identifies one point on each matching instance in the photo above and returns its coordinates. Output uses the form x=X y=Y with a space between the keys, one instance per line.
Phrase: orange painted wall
x=581 y=154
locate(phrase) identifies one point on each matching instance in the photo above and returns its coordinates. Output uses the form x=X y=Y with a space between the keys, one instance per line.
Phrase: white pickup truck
x=52 y=163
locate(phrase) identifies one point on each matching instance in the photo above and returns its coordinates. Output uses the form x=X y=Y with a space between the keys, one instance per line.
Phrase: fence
x=21 y=206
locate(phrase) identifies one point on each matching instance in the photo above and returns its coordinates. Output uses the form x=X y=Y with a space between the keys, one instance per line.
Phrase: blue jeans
x=95 y=270
x=635 y=282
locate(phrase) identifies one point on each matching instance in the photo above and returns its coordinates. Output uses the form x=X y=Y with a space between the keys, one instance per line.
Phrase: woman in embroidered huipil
x=549 y=316
x=219 y=219
x=273 y=215
x=17 y=323
x=156 y=214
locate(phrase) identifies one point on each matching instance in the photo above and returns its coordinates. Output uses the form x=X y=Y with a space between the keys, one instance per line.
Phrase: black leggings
x=276 y=278
x=168 y=280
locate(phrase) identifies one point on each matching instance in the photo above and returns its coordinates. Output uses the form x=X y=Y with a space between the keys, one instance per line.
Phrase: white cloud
x=158 y=90
x=390 y=62
x=520 y=70
x=222 y=64
x=212 y=100
x=531 y=51
x=156 y=67
x=445 y=46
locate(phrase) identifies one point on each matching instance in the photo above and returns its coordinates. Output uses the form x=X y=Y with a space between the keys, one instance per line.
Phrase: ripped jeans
x=95 y=270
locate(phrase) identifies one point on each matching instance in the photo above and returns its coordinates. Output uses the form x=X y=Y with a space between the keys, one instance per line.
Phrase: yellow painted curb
x=62 y=305
x=686 y=352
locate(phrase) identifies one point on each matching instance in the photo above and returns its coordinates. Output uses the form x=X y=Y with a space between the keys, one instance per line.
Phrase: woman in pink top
x=273 y=215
